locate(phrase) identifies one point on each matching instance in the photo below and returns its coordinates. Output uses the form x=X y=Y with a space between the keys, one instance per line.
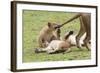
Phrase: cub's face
x=52 y=26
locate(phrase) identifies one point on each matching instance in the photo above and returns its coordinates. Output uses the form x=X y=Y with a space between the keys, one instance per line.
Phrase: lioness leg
x=81 y=32
x=86 y=42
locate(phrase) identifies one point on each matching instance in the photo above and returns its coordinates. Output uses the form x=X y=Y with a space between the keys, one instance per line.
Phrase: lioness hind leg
x=86 y=42
x=80 y=34
x=78 y=39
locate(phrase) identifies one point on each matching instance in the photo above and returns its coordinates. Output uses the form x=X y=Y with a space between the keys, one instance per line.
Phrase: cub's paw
x=36 y=50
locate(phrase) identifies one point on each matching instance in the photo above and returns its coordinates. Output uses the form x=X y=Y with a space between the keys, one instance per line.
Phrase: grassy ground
x=34 y=21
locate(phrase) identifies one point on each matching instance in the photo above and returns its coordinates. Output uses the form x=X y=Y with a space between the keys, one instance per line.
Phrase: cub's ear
x=49 y=24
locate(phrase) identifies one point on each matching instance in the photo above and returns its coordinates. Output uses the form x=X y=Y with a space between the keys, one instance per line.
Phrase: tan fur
x=64 y=45
x=47 y=34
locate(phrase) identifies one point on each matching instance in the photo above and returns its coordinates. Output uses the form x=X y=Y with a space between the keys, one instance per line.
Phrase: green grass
x=34 y=21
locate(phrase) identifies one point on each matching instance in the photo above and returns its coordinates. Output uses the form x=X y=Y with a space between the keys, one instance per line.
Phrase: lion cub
x=47 y=34
x=57 y=46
